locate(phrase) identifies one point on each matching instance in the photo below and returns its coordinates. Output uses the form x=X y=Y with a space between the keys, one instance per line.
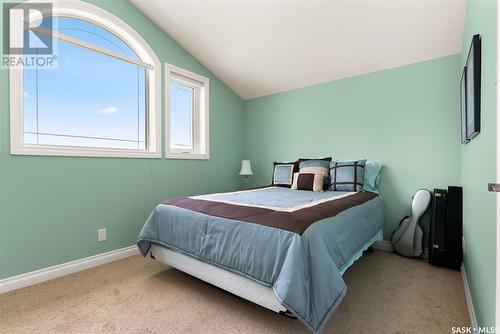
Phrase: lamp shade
x=246 y=168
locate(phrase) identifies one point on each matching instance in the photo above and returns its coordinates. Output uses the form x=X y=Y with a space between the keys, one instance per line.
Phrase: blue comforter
x=303 y=270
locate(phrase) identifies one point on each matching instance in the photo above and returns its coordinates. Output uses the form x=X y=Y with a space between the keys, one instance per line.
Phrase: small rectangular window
x=186 y=114
x=181 y=115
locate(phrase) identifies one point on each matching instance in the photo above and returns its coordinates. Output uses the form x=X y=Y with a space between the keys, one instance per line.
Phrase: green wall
x=478 y=167
x=405 y=117
x=51 y=207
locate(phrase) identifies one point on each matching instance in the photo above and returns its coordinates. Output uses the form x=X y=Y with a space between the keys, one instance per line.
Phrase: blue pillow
x=347 y=175
x=372 y=176
x=283 y=174
x=323 y=163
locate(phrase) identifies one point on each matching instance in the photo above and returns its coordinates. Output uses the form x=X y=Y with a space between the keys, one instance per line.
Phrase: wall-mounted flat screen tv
x=470 y=92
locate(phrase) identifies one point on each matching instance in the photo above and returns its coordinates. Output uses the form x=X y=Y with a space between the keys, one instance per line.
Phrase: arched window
x=102 y=98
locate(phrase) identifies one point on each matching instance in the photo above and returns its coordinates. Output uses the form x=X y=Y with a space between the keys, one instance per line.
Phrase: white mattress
x=236 y=284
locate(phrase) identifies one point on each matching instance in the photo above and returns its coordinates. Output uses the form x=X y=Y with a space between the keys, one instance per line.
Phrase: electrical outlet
x=101 y=234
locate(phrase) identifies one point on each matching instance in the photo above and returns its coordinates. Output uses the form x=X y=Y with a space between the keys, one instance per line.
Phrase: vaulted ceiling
x=263 y=47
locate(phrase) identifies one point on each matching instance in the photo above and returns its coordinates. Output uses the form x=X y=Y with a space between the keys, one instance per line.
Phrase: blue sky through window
x=181 y=115
x=90 y=33
x=90 y=100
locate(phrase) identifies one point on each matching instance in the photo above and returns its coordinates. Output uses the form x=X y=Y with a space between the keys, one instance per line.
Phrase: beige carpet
x=386 y=294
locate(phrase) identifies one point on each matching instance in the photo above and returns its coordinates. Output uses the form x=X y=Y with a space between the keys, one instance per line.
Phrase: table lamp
x=246 y=168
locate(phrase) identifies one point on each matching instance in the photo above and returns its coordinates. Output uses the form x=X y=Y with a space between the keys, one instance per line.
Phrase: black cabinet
x=445 y=233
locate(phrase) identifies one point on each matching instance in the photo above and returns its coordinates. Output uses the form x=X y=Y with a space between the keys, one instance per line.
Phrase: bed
x=283 y=249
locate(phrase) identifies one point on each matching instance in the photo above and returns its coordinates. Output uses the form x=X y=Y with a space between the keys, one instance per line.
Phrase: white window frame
x=201 y=123
x=87 y=12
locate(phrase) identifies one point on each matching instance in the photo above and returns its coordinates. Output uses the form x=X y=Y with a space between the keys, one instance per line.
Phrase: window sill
x=81 y=152
x=187 y=156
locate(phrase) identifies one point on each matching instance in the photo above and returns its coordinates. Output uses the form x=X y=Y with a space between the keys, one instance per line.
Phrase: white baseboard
x=386 y=246
x=468 y=299
x=425 y=254
x=383 y=245
x=45 y=274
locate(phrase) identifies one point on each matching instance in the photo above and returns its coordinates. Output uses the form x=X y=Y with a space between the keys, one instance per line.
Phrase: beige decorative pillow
x=315 y=170
x=308 y=181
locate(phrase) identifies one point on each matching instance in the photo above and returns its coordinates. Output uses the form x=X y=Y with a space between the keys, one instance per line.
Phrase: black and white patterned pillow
x=347 y=175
